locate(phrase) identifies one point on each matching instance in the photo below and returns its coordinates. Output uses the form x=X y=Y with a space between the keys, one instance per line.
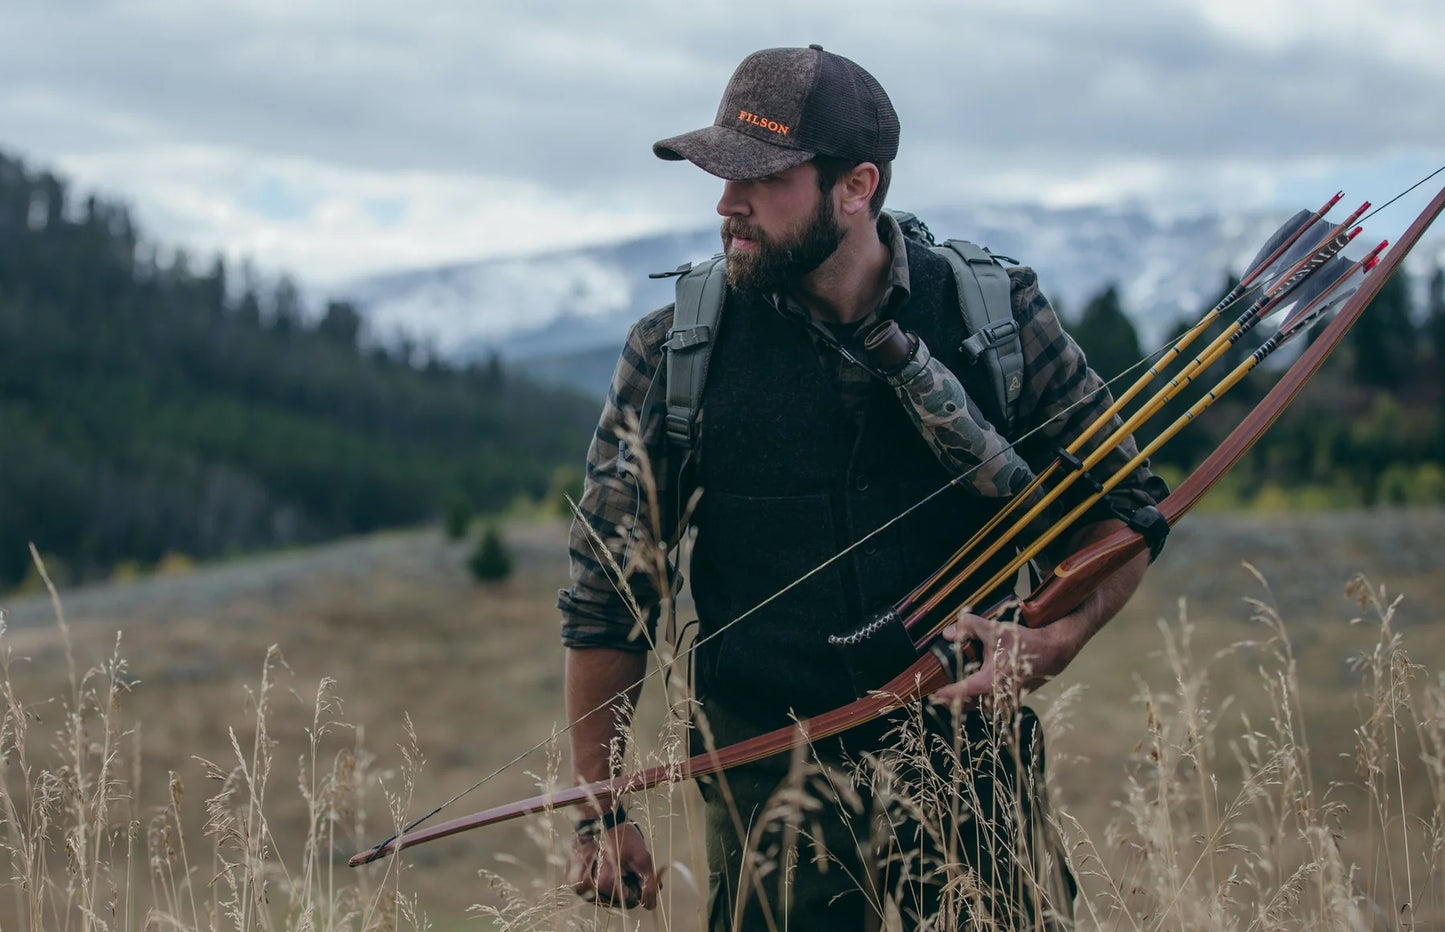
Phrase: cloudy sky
x=340 y=137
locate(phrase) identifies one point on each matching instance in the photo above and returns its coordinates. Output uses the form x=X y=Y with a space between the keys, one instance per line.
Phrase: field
x=413 y=644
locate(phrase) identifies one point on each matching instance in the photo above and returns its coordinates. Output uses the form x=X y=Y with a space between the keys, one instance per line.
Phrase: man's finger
x=969 y=627
x=606 y=884
x=628 y=892
x=977 y=684
x=582 y=871
x=950 y=694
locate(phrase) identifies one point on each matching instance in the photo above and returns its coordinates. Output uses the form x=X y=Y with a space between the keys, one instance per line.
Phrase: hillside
x=151 y=407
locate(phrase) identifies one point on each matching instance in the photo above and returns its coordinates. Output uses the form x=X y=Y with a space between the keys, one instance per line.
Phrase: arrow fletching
x=1299 y=256
x=1272 y=252
x=1271 y=256
x=1325 y=299
x=1323 y=279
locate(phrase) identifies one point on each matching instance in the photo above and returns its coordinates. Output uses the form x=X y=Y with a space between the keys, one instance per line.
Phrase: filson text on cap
x=771 y=125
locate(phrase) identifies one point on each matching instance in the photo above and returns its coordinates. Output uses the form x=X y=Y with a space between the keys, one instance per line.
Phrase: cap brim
x=729 y=154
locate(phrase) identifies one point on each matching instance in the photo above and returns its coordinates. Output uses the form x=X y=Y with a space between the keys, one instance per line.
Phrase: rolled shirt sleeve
x=615 y=524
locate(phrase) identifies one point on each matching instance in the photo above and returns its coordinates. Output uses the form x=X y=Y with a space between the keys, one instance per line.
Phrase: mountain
x=528 y=306
x=580 y=299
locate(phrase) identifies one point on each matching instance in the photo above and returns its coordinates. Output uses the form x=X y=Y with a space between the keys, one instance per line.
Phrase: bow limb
x=926 y=675
x=1077 y=575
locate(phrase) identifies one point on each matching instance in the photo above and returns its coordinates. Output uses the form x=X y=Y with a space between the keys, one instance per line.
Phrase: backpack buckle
x=679 y=430
x=688 y=338
x=986 y=338
x=680 y=270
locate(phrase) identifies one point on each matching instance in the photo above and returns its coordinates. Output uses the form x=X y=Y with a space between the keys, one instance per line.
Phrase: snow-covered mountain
x=579 y=299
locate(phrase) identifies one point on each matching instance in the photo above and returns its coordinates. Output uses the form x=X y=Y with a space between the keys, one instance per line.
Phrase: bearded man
x=803 y=450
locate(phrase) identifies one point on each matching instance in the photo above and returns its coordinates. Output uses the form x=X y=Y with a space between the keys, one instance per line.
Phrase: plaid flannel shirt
x=1061 y=396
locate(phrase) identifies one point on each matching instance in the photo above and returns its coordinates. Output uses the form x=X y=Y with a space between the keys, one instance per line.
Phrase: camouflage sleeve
x=612 y=599
x=1061 y=398
x=960 y=436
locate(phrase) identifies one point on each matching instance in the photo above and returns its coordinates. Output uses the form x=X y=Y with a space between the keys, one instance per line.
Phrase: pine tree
x=341 y=324
x=1107 y=336
x=458 y=516
x=1384 y=340
x=1435 y=319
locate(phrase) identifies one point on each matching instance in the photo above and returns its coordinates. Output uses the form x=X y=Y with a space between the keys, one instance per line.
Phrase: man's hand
x=1016 y=659
x=613 y=868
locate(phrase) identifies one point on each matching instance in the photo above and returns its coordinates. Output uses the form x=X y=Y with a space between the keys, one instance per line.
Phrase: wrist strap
x=590 y=828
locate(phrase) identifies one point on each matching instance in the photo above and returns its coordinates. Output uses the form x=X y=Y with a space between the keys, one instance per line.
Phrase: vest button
x=861 y=482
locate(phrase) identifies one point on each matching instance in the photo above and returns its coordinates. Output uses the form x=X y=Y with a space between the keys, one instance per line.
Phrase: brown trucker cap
x=783 y=107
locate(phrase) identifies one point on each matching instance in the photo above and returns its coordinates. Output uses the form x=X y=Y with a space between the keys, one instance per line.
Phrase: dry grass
x=1225 y=823
x=85 y=854
x=1285 y=771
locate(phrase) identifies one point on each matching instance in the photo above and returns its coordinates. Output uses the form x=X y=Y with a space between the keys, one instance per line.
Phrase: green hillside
x=150 y=406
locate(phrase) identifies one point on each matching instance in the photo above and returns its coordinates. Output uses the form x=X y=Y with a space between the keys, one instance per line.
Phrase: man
x=804 y=449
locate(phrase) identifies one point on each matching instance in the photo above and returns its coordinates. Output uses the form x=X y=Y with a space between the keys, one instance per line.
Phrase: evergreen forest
x=152 y=407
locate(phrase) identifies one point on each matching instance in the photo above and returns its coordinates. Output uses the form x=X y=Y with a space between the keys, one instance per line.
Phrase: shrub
x=566 y=484
x=490 y=561
x=1402 y=484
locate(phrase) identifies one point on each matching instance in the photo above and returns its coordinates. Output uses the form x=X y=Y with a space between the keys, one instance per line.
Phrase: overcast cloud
x=340 y=137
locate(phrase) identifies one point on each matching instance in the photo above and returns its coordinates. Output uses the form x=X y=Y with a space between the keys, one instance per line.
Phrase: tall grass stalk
x=1357 y=855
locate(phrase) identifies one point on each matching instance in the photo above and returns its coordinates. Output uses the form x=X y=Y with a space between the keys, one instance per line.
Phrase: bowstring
x=1402 y=193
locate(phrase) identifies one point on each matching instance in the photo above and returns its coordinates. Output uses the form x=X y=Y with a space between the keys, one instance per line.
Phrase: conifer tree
x=1107 y=336
x=1384 y=341
x=1435 y=320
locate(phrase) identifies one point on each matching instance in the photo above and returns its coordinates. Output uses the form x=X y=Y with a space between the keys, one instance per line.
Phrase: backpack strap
x=701 y=290
x=984 y=298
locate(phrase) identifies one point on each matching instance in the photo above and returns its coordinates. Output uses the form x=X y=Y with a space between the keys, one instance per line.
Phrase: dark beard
x=778 y=264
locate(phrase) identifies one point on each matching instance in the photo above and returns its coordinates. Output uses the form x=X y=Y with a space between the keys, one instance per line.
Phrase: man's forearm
x=1104 y=602
x=602 y=685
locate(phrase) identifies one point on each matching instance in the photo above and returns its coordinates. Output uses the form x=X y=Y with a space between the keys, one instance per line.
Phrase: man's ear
x=856 y=188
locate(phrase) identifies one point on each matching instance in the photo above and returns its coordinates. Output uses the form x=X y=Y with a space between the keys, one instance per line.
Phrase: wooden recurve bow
x=1070 y=582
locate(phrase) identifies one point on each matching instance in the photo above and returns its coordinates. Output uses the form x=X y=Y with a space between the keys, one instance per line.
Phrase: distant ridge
x=579 y=299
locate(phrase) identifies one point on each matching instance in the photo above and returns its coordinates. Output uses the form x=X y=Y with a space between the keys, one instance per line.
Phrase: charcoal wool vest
x=789 y=479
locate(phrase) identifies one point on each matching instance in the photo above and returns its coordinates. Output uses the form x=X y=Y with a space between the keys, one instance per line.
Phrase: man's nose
x=732 y=203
